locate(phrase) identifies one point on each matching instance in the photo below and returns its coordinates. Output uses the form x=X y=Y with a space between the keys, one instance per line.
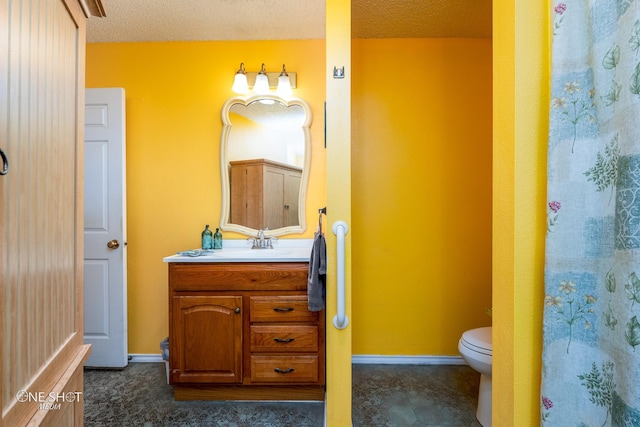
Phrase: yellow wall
x=174 y=93
x=421 y=171
x=521 y=94
x=338 y=405
x=421 y=193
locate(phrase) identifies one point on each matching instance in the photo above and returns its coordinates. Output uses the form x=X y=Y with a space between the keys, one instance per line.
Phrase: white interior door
x=105 y=254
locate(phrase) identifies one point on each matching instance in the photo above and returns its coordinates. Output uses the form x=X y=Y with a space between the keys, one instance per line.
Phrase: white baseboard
x=360 y=359
x=146 y=358
x=372 y=359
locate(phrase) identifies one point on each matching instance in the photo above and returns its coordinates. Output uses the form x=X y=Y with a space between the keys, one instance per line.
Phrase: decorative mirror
x=265 y=153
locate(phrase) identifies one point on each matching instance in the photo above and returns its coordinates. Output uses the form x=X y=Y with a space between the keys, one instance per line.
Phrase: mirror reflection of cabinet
x=264 y=194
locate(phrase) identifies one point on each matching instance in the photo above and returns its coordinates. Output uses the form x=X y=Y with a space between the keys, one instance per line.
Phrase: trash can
x=164 y=346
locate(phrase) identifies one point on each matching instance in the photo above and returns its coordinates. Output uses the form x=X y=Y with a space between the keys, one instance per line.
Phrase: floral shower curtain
x=591 y=355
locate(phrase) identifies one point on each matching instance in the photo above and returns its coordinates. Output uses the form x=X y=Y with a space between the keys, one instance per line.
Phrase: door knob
x=114 y=244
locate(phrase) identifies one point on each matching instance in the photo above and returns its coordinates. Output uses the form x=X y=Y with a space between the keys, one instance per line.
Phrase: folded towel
x=316 y=285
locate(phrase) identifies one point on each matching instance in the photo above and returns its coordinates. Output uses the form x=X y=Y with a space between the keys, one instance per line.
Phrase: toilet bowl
x=475 y=348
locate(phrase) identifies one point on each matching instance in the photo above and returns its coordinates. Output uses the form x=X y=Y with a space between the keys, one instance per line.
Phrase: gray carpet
x=383 y=395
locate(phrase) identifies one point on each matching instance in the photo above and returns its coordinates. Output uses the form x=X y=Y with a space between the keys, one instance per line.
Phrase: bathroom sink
x=250 y=253
x=235 y=254
x=240 y=251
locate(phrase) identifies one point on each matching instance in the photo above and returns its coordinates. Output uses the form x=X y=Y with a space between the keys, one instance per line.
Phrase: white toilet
x=475 y=348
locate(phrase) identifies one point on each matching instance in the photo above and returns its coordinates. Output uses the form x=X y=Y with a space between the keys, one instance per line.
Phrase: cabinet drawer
x=294 y=338
x=238 y=276
x=284 y=369
x=290 y=308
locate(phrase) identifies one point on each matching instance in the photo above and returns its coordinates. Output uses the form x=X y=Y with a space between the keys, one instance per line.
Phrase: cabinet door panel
x=274 y=187
x=206 y=339
x=238 y=208
x=291 y=198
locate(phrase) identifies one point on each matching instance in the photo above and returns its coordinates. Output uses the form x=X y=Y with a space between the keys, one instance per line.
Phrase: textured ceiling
x=421 y=18
x=165 y=20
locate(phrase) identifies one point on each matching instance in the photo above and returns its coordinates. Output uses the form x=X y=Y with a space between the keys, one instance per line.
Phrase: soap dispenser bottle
x=207 y=238
x=217 y=239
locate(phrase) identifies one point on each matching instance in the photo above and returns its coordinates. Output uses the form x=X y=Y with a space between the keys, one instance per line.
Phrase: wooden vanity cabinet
x=243 y=331
x=264 y=194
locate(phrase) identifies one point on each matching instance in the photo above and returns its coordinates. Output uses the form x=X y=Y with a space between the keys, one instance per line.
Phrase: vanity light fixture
x=261 y=82
x=240 y=84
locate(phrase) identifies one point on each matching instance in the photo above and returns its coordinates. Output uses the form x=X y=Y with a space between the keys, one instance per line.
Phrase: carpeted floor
x=383 y=395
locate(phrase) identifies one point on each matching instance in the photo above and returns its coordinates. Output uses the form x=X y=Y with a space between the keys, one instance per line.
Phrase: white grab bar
x=340 y=320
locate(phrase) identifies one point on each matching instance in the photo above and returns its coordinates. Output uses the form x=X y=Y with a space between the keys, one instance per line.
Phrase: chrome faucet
x=261 y=242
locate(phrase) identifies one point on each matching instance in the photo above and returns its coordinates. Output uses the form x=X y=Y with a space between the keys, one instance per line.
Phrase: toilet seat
x=478 y=340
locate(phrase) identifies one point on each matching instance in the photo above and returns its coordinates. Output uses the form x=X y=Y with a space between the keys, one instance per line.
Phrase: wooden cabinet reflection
x=264 y=194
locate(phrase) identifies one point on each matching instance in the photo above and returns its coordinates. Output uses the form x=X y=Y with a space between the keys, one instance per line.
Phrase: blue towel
x=316 y=285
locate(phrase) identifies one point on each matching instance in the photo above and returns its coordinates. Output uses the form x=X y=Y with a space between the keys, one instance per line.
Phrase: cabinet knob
x=237 y=310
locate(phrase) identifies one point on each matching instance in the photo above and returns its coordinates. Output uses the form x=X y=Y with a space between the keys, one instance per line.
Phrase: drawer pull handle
x=283 y=340
x=283 y=310
x=284 y=371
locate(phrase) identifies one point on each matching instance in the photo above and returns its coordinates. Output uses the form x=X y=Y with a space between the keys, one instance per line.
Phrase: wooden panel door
x=42 y=47
x=205 y=341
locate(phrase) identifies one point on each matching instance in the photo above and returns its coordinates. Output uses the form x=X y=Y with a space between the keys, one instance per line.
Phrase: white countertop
x=285 y=250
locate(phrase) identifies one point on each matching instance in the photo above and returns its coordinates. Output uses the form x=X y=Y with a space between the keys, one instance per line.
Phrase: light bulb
x=240 y=84
x=284 y=86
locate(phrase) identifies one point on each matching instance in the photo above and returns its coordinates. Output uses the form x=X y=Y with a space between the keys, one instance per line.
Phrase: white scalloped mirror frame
x=225 y=223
